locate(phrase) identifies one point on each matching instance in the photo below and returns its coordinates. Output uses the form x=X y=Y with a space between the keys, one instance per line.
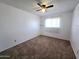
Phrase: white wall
x=75 y=32
x=16 y=25
x=64 y=31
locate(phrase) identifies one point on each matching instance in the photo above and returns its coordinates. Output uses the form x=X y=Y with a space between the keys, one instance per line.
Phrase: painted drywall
x=16 y=24
x=75 y=32
x=65 y=25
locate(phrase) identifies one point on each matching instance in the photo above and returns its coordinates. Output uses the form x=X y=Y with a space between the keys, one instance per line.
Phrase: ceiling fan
x=44 y=7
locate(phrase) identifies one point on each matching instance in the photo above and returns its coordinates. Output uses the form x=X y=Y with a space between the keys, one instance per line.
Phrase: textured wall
x=65 y=25
x=75 y=32
x=16 y=25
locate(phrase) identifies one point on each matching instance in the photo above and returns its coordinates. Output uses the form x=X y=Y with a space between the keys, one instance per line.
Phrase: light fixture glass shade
x=43 y=10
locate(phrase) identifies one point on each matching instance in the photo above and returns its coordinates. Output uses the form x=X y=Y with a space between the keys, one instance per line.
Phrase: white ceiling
x=31 y=6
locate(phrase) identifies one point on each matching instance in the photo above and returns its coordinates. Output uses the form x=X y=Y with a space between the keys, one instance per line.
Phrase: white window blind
x=52 y=23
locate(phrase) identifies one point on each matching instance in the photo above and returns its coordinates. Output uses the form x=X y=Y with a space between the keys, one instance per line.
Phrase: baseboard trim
x=55 y=37
x=19 y=43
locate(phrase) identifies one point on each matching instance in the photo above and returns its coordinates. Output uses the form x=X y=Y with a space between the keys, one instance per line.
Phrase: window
x=52 y=23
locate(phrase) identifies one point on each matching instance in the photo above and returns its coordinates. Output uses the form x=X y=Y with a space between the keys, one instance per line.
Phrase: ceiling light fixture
x=44 y=6
x=43 y=10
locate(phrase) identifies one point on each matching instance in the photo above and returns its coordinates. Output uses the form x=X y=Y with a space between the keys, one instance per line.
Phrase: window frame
x=52 y=19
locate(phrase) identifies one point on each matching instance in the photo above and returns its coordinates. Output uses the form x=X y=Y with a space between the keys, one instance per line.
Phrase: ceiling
x=31 y=6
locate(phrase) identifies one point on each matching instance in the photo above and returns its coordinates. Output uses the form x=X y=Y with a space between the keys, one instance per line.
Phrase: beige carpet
x=41 y=47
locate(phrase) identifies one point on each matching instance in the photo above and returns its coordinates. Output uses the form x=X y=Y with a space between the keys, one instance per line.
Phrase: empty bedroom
x=39 y=29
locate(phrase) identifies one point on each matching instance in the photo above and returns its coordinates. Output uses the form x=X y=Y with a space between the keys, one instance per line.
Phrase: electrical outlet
x=78 y=52
x=14 y=40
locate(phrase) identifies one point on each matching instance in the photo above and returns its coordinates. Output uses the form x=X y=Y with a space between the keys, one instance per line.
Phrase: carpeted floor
x=41 y=47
